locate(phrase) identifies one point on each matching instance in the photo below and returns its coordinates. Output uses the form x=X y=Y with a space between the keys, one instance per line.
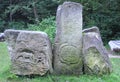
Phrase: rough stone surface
x=10 y=37
x=92 y=29
x=96 y=60
x=2 y=37
x=32 y=52
x=114 y=45
x=68 y=40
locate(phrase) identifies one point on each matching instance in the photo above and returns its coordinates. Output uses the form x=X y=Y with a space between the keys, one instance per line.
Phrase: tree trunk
x=35 y=12
x=10 y=11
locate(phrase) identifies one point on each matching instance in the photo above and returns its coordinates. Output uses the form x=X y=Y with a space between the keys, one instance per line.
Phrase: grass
x=6 y=76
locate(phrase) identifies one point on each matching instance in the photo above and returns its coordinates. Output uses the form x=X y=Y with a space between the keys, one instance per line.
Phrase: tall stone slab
x=32 y=53
x=96 y=60
x=68 y=39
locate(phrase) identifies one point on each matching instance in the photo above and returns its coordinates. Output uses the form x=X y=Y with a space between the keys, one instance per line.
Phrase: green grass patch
x=6 y=76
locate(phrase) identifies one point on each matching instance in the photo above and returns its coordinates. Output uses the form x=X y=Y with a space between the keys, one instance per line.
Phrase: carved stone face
x=29 y=61
x=31 y=54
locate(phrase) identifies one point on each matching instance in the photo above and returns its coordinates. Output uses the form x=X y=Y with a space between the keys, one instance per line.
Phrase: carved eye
x=27 y=57
x=39 y=61
x=19 y=57
x=39 y=58
x=27 y=51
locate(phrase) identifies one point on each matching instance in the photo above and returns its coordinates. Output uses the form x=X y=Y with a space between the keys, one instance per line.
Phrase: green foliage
x=16 y=25
x=25 y=11
x=47 y=25
x=6 y=76
x=2 y=22
x=12 y=76
x=102 y=13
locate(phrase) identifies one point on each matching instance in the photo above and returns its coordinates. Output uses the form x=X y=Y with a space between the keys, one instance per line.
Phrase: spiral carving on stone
x=68 y=54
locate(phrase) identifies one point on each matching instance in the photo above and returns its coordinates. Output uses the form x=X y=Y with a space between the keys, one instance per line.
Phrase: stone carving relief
x=68 y=54
x=74 y=51
x=32 y=53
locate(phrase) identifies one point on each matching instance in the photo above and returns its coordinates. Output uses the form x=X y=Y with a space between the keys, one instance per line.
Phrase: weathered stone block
x=68 y=39
x=96 y=60
x=31 y=52
x=114 y=45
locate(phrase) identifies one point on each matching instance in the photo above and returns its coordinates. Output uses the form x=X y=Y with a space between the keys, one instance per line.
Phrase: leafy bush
x=16 y=25
x=2 y=23
x=47 y=25
x=104 y=14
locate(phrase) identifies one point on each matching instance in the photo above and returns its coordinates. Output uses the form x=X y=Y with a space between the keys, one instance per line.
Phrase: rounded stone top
x=68 y=3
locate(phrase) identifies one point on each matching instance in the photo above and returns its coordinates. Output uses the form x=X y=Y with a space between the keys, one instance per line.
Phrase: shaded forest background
x=40 y=15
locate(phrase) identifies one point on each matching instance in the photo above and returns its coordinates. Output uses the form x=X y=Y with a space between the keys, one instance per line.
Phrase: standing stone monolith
x=96 y=60
x=68 y=39
x=32 y=53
